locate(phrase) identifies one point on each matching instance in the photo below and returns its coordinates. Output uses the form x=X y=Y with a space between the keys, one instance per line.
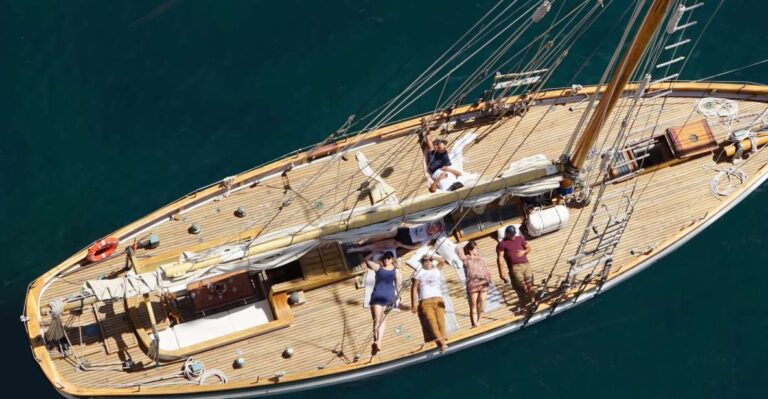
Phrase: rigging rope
x=763 y=61
x=650 y=58
x=385 y=116
x=593 y=100
x=414 y=99
x=397 y=110
x=393 y=153
x=478 y=76
x=729 y=175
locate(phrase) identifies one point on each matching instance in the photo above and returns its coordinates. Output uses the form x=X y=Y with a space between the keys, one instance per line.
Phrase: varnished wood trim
x=306 y=285
x=280 y=309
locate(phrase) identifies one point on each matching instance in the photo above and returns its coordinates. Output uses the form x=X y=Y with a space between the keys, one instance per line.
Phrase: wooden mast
x=626 y=68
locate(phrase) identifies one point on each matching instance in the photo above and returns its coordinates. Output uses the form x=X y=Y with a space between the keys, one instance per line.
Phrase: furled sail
x=193 y=266
x=176 y=280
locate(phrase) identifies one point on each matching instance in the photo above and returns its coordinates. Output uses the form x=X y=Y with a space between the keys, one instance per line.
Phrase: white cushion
x=215 y=326
x=414 y=260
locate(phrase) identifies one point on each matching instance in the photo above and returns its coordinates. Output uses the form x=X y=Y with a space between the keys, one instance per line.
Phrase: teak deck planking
x=333 y=319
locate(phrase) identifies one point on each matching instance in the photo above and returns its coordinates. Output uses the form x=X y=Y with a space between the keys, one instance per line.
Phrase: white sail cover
x=536 y=187
x=365 y=232
x=139 y=284
x=268 y=260
x=481 y=200
x=227 y=253
x=233 y=256
x=288 y=231
x=530 y=189
x=526 y=164
x=130 y=286
x=431 y=214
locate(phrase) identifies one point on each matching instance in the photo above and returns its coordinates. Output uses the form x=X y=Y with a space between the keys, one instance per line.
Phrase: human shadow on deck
x=125 y=327
x=346 y=333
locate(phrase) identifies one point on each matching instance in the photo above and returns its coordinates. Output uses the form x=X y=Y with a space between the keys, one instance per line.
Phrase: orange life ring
x=102 y=249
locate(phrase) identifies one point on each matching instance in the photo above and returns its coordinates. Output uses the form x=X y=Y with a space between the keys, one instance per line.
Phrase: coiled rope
x=717 y=107
x=196 y=373
x=55 y=330
x=193 y=370
x=728 y=174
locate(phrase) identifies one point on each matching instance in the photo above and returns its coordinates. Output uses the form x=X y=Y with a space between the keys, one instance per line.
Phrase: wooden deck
x=332 y=326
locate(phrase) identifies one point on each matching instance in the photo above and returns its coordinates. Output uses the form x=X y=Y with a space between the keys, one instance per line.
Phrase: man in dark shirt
x=437 y=155
x=513 y=250
x=438 y=161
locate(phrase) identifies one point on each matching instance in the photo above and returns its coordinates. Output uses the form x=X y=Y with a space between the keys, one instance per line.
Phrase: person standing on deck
x=513 y=250
x=478 y=279
x=427 y=300
x=384 y=295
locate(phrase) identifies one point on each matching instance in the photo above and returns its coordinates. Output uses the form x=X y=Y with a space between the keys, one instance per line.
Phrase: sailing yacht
x=257 y=284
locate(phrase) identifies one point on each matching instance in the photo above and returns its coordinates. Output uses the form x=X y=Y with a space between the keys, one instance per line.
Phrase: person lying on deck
x=385 y=293
x=381 y=245
x=438 y=163
x=427 y=301
x=408 y=237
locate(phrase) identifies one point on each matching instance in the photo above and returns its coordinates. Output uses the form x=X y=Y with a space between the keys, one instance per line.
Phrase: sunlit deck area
x=330 y=330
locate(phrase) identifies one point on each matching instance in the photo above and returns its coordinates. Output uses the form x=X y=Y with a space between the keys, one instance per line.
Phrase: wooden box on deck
x=693 y=138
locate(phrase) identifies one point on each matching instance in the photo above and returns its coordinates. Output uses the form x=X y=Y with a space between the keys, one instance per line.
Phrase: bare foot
x=375 y=349
x=443 y=347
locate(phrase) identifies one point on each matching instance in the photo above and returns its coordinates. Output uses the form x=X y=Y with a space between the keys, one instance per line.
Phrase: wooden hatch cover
x=221 y=290
x=693 y=138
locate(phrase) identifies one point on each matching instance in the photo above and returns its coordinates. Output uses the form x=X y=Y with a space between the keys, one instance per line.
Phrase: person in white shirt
x=427 y=300
x=444 y=181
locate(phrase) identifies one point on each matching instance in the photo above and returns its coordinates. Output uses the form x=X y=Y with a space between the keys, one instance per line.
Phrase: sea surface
x=111 y=109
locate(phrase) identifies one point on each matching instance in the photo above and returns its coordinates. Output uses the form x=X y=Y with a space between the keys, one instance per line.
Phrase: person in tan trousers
x=427 y=300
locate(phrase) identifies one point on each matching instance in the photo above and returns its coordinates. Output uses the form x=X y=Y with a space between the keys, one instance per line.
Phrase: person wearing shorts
x=513 y=251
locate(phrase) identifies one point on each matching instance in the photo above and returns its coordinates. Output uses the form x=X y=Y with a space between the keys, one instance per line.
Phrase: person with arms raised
x=427 y=300
x=478 y=279
x=385 y=294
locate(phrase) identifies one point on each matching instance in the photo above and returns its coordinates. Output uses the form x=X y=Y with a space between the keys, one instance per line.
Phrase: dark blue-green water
x=110 y=109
